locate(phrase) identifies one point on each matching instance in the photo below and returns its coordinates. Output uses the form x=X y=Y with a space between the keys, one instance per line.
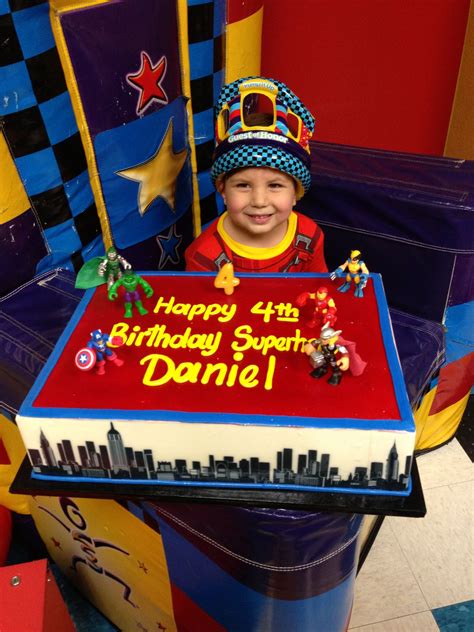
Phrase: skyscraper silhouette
x=392 y=464
x=47 y=451
x=117 y=449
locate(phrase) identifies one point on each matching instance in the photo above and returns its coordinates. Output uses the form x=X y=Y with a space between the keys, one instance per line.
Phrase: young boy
x=261 y=168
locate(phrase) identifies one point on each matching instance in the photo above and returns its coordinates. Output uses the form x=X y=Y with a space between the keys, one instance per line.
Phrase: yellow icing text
x=224 y=312
x=244 y=341
x=157 y=336
x=161 y=369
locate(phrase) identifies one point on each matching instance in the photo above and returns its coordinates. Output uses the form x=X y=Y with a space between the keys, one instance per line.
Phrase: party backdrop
x=107 y=127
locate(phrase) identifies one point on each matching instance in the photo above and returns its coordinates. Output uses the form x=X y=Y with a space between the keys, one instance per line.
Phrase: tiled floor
x=419 y=574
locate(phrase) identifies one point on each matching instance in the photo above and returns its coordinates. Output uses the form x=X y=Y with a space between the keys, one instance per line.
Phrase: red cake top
x=198 y=350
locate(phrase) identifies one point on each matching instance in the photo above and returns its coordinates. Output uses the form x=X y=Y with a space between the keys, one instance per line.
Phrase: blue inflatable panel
x=421 y=349
x=262 y=569
x=32 y=318
x=409 y=215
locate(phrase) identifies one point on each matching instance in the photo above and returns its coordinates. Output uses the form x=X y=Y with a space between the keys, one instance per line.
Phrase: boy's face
x=259 y=201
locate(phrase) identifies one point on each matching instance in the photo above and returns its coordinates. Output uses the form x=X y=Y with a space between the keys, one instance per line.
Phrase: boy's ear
x=220 y=187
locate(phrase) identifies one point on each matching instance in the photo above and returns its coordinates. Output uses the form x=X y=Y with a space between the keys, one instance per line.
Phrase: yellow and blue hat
x=261 y=123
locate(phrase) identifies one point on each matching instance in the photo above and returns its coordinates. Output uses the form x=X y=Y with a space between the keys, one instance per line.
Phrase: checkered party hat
x=261 y=123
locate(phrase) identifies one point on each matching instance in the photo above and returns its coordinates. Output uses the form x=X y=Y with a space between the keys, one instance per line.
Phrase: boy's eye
x=277 y=186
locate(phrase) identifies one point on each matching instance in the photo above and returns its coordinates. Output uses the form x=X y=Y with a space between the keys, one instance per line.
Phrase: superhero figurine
x=97 y=351
x=110 y=268
x=356 y=271
x=325 y=353
x=96 y=271
x=130 y=282
x=324 y=313
x=331 y=351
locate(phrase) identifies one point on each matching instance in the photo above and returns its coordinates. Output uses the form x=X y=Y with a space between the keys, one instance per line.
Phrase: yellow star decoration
x=157 y=176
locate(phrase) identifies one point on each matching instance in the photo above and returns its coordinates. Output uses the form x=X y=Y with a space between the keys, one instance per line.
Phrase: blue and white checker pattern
x=40 y=129
x=206 y=33
x=262 y=156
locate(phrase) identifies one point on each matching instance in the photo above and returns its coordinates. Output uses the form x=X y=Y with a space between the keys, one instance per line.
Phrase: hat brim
x=245 y=156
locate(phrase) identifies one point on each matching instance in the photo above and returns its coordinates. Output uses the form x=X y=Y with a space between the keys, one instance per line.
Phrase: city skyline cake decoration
x=216 y=390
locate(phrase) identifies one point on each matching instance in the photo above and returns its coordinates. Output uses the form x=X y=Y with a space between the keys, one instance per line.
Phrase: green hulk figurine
x=130 y=282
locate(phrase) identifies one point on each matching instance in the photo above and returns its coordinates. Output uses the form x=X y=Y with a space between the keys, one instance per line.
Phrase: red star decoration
x=148 y=81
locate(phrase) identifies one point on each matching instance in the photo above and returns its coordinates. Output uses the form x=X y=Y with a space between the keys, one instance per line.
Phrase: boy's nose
x=259 y=197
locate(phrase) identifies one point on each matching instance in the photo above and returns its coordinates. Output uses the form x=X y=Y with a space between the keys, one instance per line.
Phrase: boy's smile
x=259 y=201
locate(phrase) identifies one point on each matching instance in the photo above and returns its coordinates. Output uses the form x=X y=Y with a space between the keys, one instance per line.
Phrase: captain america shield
x=85 y=359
